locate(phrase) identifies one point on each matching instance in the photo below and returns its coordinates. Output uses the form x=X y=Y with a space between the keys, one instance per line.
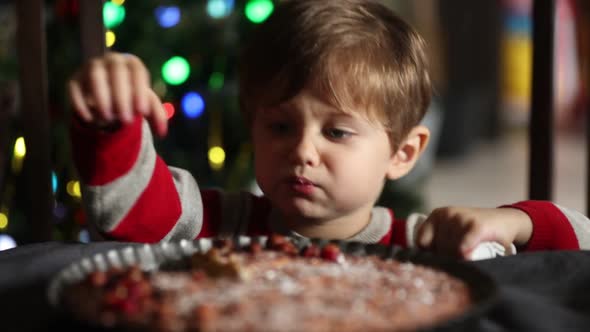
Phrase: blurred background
x=481 y=59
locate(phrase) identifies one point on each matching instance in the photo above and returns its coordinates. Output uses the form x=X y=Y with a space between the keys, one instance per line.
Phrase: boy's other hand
x=113 y=89
x=456 y=231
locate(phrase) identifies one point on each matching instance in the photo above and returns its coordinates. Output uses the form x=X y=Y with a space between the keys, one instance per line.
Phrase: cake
x=276 y=287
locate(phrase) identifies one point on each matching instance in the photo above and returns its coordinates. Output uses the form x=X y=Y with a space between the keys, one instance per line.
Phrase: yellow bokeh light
x=20 y=149
x=110 y=38
x=118 y=2
x=73 y=189
x=17 y=164
x=216 y=156
x=3 y=221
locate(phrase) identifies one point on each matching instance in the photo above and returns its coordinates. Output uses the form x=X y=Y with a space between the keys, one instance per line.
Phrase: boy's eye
x=336 y=133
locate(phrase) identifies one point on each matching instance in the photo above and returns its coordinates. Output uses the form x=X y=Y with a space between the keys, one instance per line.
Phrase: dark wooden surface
x=541 y=125
x=584 y=47
x=32 y=52
x=31 y=44
x=92 y=33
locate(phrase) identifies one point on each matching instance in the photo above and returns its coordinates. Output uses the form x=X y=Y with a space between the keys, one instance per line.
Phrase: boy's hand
x=457 y=231
x=112 y=89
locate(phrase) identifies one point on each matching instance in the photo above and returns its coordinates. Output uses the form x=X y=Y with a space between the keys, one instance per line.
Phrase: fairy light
x=193 y=105
x=73 y=189
x=216 y=80
x=3 y=221
x=20 y=149
x=113 y=14
x=110 y=38
x=216 y=157
x=169 y=108
x=176 y=70
x=118 y=2
x=54 y=182
x=59 y=211
x=257 y=11
x=167 y=16
x=219 y=8
x=80 y=217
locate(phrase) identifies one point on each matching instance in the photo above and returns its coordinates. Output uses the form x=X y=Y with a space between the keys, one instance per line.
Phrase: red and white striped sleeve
x=129 y=193
x=555 y=227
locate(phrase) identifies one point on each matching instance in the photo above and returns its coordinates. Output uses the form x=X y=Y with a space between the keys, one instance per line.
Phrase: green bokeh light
x=218 y=8
x=216 y=80
x=176 y=70
x=258 y=11
x=112 y=14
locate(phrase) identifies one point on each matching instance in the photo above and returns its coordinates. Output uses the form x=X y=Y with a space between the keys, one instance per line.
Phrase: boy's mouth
x=302 y=185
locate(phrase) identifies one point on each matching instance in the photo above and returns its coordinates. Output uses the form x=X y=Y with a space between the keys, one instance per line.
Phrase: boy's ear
x=408 y=152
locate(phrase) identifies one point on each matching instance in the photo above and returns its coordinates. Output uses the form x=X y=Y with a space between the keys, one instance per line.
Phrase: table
x=542 y=291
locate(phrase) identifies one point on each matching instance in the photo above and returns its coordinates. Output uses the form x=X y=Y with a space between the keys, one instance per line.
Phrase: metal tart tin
x=174 y=255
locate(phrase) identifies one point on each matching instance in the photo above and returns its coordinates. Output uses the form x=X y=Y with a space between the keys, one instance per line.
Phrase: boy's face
x=316 y=163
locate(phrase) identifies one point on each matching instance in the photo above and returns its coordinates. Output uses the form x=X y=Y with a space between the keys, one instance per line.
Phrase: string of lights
x=189 y=48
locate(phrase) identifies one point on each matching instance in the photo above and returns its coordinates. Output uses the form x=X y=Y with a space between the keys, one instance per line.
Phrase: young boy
x=333 y=92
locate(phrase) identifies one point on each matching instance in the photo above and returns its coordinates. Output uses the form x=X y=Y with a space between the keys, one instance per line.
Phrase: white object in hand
x=484 y=250
x=487 y=250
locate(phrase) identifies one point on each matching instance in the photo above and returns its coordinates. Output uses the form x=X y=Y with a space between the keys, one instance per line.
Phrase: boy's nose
x=305 y=151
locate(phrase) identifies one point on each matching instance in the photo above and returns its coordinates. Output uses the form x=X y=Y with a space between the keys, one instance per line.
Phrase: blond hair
x=357 y=53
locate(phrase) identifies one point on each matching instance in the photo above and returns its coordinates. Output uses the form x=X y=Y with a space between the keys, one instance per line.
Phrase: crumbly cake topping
x=277 y=290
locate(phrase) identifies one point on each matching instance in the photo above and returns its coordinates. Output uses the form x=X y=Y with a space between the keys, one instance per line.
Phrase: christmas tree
x=190 y=49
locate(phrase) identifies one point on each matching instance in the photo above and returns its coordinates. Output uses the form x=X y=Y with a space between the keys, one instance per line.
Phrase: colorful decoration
x=54 y=182
x=20 y=150
x=167 y=16
x=216 y=80
x=73 y=189
x=219 y=8
x=113 y=14
x=110 y=38
x=193 y=105
x=3 y=221
x=258 y=11
x=190 y=49
x=216 y=157
x=170 y=110
x=176 y=70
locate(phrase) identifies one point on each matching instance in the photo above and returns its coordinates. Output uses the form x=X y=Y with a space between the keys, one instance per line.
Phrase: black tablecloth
x=543 y=291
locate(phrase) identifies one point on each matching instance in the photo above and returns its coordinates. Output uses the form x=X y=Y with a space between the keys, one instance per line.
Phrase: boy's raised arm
x=129 y=192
